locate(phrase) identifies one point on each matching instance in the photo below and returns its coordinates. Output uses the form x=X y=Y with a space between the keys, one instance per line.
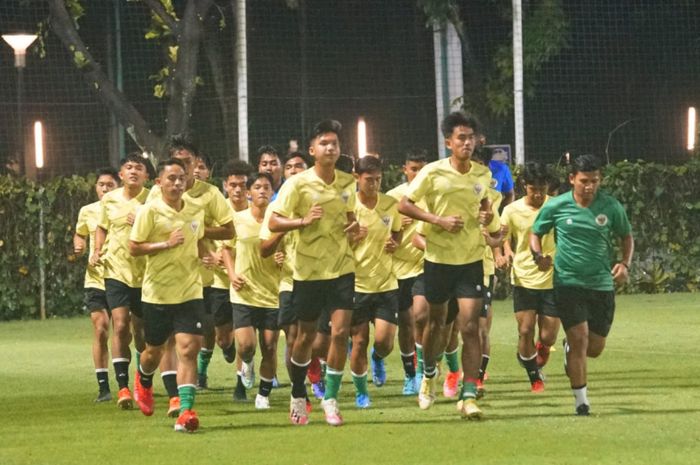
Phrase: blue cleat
x=378 y=371
x=319 y=389
x=410 y=386
x=362 y=400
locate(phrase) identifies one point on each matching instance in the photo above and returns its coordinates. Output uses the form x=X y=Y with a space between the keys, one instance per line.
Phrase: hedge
x=663 y=203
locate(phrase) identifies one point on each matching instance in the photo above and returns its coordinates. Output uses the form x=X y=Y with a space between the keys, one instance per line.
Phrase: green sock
x=453 y=360
x=360 y=382
x=469 y=390
x=419 y=357
x=186 y=393
x=203 y=359
x=138 y=359
x=333 y=379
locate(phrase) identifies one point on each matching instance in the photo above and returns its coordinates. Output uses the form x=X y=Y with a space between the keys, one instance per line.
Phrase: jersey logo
x=478 y=188
x=386 y=220
x=345 y=195
x=601 y=219
x=569 y=221
x=494 y=183
x=194 y=226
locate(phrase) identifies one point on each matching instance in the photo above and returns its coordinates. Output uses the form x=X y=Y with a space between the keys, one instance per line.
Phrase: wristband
x=625 y=265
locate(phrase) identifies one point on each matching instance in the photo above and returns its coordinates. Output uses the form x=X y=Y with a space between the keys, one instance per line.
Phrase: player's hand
x=504 y=230
x=504 y=261
x=130 y=219
x=620 y=273
x=313 y=215
x=453 y=223
x=490 y=240
x=485 y=213
x=544 y=263
x=79 y=246
x=406 y=221
x=353 y=230
x=390 y=245
x=95 y=258
x=237 y=282
x=219 y=257
x=209 y=261
x=176 y=238
x=279 y=258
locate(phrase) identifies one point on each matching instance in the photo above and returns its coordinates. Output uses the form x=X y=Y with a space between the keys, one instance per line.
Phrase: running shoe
x=248 y=374
x=143 y=395
x=470 y=410
x=378 y=371
x=319 y=389
x=297 y=411
x=450 y=387
x=124 y=400
x=362 y=400
x=174 y=407
x=542 y=354
x=480 y=389
x=537 y=386
x=330 y=408
x=187 y=422
x=583 y=410
x=105 y=396
x=426 y=395
x=410 y=386
x=262 y=402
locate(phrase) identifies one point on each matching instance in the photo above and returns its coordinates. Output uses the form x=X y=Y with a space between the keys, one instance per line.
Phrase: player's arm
x=544 y=262
x=220 y=233
x=100 y=237
x=237 y=281
x=208 y=258
x=280 y=223
x=137 y=249
x=418 y=241
x=269 y=246
x=621 y=269
x=79 y=244
x=452 y=223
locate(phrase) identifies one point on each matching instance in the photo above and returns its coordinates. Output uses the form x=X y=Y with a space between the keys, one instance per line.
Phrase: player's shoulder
x=343 y=179
x=515 y=206
x=90 y=209
x=112 y=196
x=398 y=191
x=242 y=215
x=386 y=202
x=479 y=170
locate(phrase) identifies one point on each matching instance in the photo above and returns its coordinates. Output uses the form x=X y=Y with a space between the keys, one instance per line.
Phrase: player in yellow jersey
x=376 y=286
x=533 y=290
x=269 y=162
x=254 y=291
x=95 y=298
x=320 y=204
x=168 y=232
x=454 y=190
x=123 y=273
x=408 y=266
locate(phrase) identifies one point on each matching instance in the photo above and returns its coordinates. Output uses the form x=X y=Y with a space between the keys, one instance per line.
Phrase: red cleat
x=187 y=422
x=143 y=395
x=314 y=371
x=124 y=400
x=542 y=354
x=537 y=386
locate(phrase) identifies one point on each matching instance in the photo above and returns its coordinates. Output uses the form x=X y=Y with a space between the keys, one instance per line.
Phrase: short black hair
x=345 y=163
x=417 y=155
x=169 y=162
x=108 y=171
x=301 y=155
x=483 y=154
x=586 y=163
x=205 y=158
x=535 y=173
x=178 y=142
x=269 y=150
x=255 y=176
x=455 y=119
x=237 y=168
x=134 y=157
x=368 y=165
x=323 y=127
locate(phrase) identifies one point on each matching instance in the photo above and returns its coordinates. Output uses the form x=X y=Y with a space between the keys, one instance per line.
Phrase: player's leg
x=268 y=337
x=121 y=354
x=208 y=342
x=247 y=342
x=485 y=323
x=527 y=353
x=407 y=340
x=386 y=319
x=100 y=353
x=223 y=323
x=168 y=373
x=158 y=327
x=451 y=354
x=317 y=367
x=359 y=332
x=548 y=323
x=468 y=324
x=421 y=312
x=187 y=324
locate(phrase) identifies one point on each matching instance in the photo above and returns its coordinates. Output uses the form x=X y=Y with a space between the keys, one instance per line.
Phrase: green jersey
x=584 y=238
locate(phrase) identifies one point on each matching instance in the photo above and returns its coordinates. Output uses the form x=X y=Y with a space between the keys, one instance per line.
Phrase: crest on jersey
x=345 y=195
x=601 y=219
x=386 y=220
x=478 y=188
x=194 y=225
x=494 y=183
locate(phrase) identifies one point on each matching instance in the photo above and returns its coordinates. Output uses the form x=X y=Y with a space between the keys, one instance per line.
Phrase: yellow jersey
x=288 y=245
x=489 y=263
x=118 y=262
x=220 y=276
x=88 y=217
x=323 y=250
x=407 y=259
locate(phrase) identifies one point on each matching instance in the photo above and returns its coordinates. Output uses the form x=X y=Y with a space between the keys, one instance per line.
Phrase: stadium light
x=692 y=129
x=39 y=144
x=361 y=138
x=20 y=43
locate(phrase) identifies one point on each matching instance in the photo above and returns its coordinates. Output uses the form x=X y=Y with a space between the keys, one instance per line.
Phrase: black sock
x=121 y=372
x=533 y=372
x=146 y=380
x=239 y=384
x=103 y=380
x=265 y=388
x=484 y=363
x=230 y=353
x=170 y=383
x=298 y=378
x=408 y=367
x=429 y=372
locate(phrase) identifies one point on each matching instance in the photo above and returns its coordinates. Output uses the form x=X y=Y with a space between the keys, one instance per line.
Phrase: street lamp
x=20 y=43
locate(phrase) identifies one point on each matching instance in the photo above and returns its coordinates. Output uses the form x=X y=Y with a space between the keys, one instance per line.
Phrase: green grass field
x=644 y=391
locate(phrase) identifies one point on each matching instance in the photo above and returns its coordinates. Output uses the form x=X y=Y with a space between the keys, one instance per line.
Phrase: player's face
x=369 y=183
x=104 y=184
x=235 y=188
x=172 y=182
x=261 y=192
x=585 y=183
x=411 y=169
x=461 y=142
x=294 y=166
x=536 y=194
x=201 y=171
x=188 y=159
x=133 y=174
x=270 y=164
x=325 y=149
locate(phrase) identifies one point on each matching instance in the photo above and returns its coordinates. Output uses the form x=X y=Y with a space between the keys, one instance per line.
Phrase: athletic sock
x=186 y=393
x=469 y=389
x=203 y=359
x=298 y=378
x=408 y=367
x=530 y=364
x=484 y=363
x=102 y=375
x=360 y=382
x=170 y=383
x=419 y=357
x=229 y=352
x=452 y=360
x=240 y=389
x=138 y=357
x=121 y=371
x=265 y=387
x=429 y=372
x=580 y=394
x=146 y=378
x=333 y=379
x=324 y=367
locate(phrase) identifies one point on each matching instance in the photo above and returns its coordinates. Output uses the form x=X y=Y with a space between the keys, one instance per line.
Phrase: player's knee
x=340 y=334
x=384 y=348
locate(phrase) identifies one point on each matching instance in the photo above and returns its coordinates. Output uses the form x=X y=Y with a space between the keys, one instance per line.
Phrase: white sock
x=581 y=395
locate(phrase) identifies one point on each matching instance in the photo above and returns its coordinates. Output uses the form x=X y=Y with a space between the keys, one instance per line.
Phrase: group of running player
x=320 y=253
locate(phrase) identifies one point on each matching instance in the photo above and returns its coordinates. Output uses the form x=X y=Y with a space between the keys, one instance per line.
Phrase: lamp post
x=20 y=43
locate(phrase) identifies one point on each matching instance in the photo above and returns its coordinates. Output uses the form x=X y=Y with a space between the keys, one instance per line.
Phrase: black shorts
x=163 y=320
x=95 y=300
x=419 y=286
x=219 y=302
x=382 y=305
x=488 y=296
x=286 y=315
x=576 y=305
x=120 y=295
x=406 y=293
x=311 y=298
x=540 y=300
x=260 y=318
x=324 y=322
x=442 y=282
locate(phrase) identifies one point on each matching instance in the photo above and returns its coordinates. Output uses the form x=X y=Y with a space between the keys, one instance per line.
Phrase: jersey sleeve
x=286 y=202
x=352 y=199
x=420 y=185
x=143 y=225
x=545 y=220
x=395 y=218
x=219 y=209
x=621 y=224
x=102 y=217
x=81 y=227
x=495 y=224
x=505 y=221
x=265 y=232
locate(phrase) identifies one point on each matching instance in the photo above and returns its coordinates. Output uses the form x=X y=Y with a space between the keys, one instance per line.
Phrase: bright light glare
x=39 y=144
x=692 y=129
x=361 y=138
x=19 y=42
